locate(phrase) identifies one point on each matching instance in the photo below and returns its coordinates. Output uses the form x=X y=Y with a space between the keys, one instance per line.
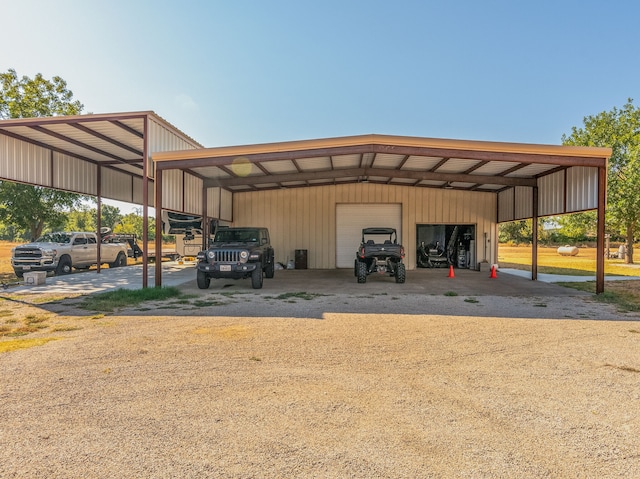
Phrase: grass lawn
x=626 y=294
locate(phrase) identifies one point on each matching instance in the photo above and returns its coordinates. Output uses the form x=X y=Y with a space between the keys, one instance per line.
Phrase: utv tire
x=362 y=272
x=203 y=280
x=121 y=260
x=355 y=268
x=64 y=266
x=256 y=277
x=401 y=273
x=270 y=270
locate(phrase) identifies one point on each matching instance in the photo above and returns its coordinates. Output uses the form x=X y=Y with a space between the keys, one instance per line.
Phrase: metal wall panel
x=551 y=194
x=582 y=188
x=72 y=174
x=162 y=138
x=523 y=202
x=117 y=185
x=506 y=205
x=22 y=161
x=192 y=194
x=305 y=218
x=226 y=205
x=172 y=190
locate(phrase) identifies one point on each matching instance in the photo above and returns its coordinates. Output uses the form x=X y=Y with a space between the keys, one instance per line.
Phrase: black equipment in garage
x=441 y=246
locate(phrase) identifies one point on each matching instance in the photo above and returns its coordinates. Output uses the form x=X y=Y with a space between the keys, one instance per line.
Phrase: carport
x=295 y=188
x=299 y=189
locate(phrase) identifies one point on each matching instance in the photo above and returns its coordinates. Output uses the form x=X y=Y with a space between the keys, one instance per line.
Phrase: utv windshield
x=54 y=238
x=237 y=236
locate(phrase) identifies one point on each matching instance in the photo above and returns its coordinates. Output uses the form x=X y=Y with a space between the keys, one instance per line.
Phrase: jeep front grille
x=227 y=256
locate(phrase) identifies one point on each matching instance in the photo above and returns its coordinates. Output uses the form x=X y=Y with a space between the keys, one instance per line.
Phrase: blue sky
x=242 y=72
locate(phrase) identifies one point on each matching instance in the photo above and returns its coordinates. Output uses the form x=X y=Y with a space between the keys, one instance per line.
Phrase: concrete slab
x=421 y=281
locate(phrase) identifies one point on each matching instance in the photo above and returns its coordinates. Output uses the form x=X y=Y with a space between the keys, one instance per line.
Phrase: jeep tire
x=270 y=269
x=256 y=277
x=203 y=280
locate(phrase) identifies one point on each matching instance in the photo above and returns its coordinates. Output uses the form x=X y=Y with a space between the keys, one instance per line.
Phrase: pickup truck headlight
x=49 y=252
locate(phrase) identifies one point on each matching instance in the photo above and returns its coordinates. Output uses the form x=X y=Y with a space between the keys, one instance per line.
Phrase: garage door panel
x=352 y=218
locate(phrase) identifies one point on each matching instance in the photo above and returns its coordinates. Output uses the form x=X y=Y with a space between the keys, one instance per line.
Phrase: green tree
x=25 y=97
x=32 y=208
x=132 y=223
x=111 y=216
x=81 y=219
x=618 y=129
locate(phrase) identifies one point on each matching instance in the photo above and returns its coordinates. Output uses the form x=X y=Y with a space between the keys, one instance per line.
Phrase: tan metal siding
x=524 y=202
x=72 y=174
x=22 y=161
x=305 y=218
x=506 y=210
x=172 y=190
x=226 y=205
x=117 y=185
x=582 y=188
x=551 y=194
x=192 y=194
x=162 y=139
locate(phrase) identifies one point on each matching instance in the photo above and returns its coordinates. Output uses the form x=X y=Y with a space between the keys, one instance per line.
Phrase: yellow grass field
x=549 y=261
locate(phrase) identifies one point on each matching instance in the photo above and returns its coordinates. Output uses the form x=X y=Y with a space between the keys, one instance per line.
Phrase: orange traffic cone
x=493 y=272
x=451 y=274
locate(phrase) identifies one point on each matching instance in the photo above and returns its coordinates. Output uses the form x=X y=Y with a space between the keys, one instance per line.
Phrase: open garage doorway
x=441 y=246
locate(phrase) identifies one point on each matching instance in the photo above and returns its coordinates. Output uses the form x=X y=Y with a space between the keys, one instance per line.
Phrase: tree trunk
x=628 y=259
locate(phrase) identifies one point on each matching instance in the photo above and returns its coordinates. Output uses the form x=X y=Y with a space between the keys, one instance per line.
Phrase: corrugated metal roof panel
x=347 y=161
x=420 y=163
x=314 y=164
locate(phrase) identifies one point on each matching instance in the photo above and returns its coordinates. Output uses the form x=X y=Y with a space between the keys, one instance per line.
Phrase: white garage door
x=351 y=218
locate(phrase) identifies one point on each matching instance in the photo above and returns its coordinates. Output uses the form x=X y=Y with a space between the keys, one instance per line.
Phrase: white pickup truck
x=60 y=252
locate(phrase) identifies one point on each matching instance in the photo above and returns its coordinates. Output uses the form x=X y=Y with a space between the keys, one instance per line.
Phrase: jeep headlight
x=244 y=256
x=211 y=255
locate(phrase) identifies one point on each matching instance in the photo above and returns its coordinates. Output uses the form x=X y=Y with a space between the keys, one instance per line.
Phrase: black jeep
x=384 y=257
x=237 y=253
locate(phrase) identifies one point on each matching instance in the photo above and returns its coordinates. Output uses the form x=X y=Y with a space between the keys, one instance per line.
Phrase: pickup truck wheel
x=121 y=260
x=362 y=272
x=19 y=274
x=203 y=280
x=64 y=265
x=256 y=277
x=401 y=273
x=270 y=270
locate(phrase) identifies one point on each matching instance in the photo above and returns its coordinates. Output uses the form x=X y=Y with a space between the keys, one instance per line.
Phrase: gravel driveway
x=250 y=385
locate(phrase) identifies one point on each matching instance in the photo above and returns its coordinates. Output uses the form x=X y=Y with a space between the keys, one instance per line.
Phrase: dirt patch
x=331 y=395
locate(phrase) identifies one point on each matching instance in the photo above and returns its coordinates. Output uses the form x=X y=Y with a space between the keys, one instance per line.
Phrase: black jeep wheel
x=362 y=272
x=256 y=277
x=121 y=260
x=203 y=280
x=64 y=265
x=401 y=273
x=270 y=270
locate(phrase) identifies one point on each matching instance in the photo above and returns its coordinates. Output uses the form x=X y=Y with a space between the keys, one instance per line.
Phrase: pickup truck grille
x=28 y=253
x=227 y=256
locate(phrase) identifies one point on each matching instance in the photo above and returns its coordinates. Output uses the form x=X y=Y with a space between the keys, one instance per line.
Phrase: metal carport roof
x=390 y=160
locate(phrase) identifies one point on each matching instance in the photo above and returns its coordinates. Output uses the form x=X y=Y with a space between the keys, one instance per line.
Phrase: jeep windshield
x=236 y=236
x=54 y=238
